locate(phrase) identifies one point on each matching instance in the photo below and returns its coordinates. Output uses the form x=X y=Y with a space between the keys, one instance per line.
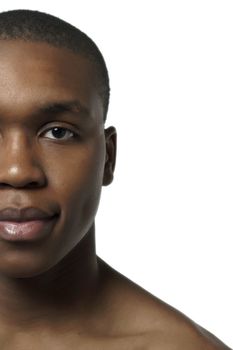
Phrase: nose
x=19 y=164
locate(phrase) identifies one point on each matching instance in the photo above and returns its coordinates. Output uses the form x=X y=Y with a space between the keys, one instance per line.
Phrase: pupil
x=59 y=132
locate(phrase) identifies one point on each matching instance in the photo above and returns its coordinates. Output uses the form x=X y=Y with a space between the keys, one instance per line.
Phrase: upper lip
x=24 y=214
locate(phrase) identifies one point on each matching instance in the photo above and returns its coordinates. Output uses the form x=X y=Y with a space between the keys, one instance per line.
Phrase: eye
x=59 y=133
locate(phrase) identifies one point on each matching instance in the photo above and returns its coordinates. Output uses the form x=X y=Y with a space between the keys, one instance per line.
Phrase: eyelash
x=74 y=134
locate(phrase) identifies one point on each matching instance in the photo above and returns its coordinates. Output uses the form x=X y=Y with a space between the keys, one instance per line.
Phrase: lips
x=26 y=224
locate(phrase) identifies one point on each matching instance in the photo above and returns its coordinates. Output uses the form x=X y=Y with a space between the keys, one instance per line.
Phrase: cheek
x=76 y=183
x=82 y=192
x=73 y=168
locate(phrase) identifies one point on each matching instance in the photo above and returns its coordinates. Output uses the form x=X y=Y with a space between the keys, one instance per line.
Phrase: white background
x=166 y=221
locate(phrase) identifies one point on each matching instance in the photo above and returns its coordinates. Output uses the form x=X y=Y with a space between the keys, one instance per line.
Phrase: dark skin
x=55 y=293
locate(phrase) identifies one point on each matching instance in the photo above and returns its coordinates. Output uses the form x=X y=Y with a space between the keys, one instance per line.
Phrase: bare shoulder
x=133 y=311
x=185 y=337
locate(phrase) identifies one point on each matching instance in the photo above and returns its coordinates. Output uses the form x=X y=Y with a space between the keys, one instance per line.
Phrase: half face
x=53 y=153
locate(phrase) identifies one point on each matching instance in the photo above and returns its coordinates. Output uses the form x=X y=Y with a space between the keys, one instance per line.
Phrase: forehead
x=35 y=73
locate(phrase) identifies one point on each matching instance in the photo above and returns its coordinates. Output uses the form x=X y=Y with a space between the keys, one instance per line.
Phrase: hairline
x=80 y=53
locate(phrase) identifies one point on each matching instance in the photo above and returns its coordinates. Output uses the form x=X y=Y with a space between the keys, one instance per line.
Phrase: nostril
x=25 y=185
x=4 y=185
x=24 y=174
x=33 y=184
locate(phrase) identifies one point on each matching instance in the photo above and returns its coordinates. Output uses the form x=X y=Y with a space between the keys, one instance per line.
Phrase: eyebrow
x=57 y=107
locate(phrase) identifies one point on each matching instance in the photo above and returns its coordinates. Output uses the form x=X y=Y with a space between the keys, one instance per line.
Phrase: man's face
x=51 y=157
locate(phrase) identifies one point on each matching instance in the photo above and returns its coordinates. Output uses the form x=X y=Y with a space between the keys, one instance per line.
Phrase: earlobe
x=110 y=161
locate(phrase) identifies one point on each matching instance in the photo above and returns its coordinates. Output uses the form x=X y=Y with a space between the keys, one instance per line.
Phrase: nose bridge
x=17 y=144
x=19 y=153
x=19 y=164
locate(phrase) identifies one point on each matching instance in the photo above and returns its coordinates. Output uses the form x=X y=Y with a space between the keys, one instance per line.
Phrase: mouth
x=27 y=224
x=32 y=230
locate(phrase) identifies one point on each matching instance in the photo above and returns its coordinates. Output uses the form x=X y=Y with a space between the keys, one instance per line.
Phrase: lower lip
x=26 y=230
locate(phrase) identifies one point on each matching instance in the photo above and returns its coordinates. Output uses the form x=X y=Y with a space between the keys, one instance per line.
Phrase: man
x=56 y=155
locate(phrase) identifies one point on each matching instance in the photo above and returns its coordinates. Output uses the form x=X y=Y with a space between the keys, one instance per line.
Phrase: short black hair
x=32 y=26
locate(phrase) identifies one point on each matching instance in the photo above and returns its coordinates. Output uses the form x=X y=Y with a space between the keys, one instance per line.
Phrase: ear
x=110 y=161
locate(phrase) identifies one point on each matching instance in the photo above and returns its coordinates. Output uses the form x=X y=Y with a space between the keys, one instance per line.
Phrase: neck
x=67 y=287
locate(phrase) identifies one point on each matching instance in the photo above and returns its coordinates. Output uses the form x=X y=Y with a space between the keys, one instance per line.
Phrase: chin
x=15 y=266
